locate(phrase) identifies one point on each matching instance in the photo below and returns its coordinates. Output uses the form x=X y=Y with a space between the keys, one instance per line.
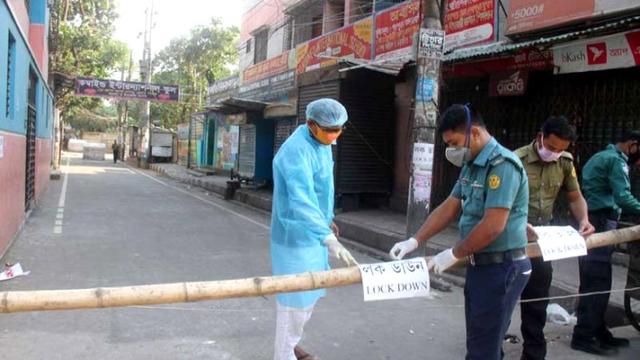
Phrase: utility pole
x=145 y=72
x=426 y=110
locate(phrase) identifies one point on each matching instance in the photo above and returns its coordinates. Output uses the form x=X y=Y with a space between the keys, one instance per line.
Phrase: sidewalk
x=375 y=232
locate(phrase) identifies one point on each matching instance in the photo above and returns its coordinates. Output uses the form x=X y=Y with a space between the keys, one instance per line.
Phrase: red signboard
x=395 y=28
x=273 y=66
x=469 y=22
x=508 y=83
x=530 y=15
x=529 y=59
x=352 y=41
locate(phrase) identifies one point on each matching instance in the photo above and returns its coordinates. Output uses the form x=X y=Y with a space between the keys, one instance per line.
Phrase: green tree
x=81 y=44
x=207 y=52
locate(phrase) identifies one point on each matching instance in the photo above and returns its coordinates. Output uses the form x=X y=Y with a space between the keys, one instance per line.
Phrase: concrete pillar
x=424 y=125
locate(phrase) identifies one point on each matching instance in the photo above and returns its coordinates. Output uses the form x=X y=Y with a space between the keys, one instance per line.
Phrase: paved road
x=121 y=226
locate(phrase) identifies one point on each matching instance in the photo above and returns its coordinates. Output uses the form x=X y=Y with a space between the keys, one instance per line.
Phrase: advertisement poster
x=126 y=90
x=226 y=151
x=395 y=29
x=615 y=51
x=469 y=22
x=530 y=15
x=353 y=42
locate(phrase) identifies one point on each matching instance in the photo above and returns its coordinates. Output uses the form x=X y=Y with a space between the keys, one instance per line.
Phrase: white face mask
x=458 y=156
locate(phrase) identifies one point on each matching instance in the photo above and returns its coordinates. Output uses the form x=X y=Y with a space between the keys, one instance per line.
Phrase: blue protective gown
x=302 y=212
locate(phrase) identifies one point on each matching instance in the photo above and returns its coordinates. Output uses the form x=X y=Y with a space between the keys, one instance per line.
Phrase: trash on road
x=13 y=271
x=558 y=315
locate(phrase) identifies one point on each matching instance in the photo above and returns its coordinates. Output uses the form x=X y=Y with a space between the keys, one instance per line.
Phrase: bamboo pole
x=43 y=300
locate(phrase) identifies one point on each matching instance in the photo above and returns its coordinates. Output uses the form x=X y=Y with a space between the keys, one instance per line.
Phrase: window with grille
x=248 y=47
x=288 y=35
x=11 y=64
x=260 y=52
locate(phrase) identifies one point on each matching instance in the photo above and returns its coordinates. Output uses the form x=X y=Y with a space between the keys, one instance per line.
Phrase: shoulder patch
x=494 y=182
x=566 y=155
x=496 y=161
x=522 y=152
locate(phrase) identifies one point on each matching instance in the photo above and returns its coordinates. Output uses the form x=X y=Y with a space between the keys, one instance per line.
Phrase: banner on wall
x=353 y=42
x=395 y=30
x=469 y=22
x=608 y=52
x=270 y=67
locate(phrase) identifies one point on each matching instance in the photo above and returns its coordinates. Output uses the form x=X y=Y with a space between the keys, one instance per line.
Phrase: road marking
x=57 y=229
x=204 y=200
x=63 y=193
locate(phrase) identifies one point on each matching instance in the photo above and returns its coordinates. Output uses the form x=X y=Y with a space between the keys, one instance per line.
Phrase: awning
x=275 y=110
x=389 y=66
x=234 y=105
x=508 y=46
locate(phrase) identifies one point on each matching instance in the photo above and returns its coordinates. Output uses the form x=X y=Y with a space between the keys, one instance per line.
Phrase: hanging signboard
x=126 y=90
x=469 y=22
x=431 y=44
x=531 y=15
x=395 y=280
x=508 y=83
x=608 y=52
x=395 y=29
x=352 y=41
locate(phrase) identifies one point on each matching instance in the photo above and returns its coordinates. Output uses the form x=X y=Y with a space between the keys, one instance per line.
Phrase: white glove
x=442 y=261
x=338 y=251
x=402 y=248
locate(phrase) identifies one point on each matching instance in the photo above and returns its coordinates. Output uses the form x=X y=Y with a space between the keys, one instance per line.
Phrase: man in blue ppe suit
x=302 y=230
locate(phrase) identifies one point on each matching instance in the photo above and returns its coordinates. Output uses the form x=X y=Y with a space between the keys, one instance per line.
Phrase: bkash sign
x=615 y=51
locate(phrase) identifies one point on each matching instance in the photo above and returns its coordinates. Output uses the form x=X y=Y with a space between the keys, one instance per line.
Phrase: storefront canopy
x=235 y=105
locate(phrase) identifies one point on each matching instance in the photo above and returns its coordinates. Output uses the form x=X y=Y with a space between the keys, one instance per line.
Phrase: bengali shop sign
x=125 y=90
x=609 y=52
x=265 y=69
x=529 y=15
x=353 y=41
x=469 y=22
x=508 y=83
x=395 y=29
x=525 y=59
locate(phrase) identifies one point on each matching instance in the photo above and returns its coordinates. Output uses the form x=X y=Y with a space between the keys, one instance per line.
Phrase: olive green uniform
x=546 y=179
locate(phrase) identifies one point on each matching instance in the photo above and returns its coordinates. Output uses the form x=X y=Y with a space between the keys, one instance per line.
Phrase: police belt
x=498 y=257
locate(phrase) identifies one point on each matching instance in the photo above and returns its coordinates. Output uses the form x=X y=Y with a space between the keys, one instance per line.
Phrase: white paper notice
x=560 y=242
x=395 y=280
x=1 y=147
x=13 y=272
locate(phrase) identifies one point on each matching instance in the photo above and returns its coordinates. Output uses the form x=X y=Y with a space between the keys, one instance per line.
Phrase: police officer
x=549 y=169
x=492 y=193
x=605 y=182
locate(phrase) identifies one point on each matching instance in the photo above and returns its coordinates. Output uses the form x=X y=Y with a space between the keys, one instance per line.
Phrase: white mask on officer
x=458 y=156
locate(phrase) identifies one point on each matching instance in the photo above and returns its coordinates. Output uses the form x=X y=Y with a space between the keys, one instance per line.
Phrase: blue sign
x=424 y=89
